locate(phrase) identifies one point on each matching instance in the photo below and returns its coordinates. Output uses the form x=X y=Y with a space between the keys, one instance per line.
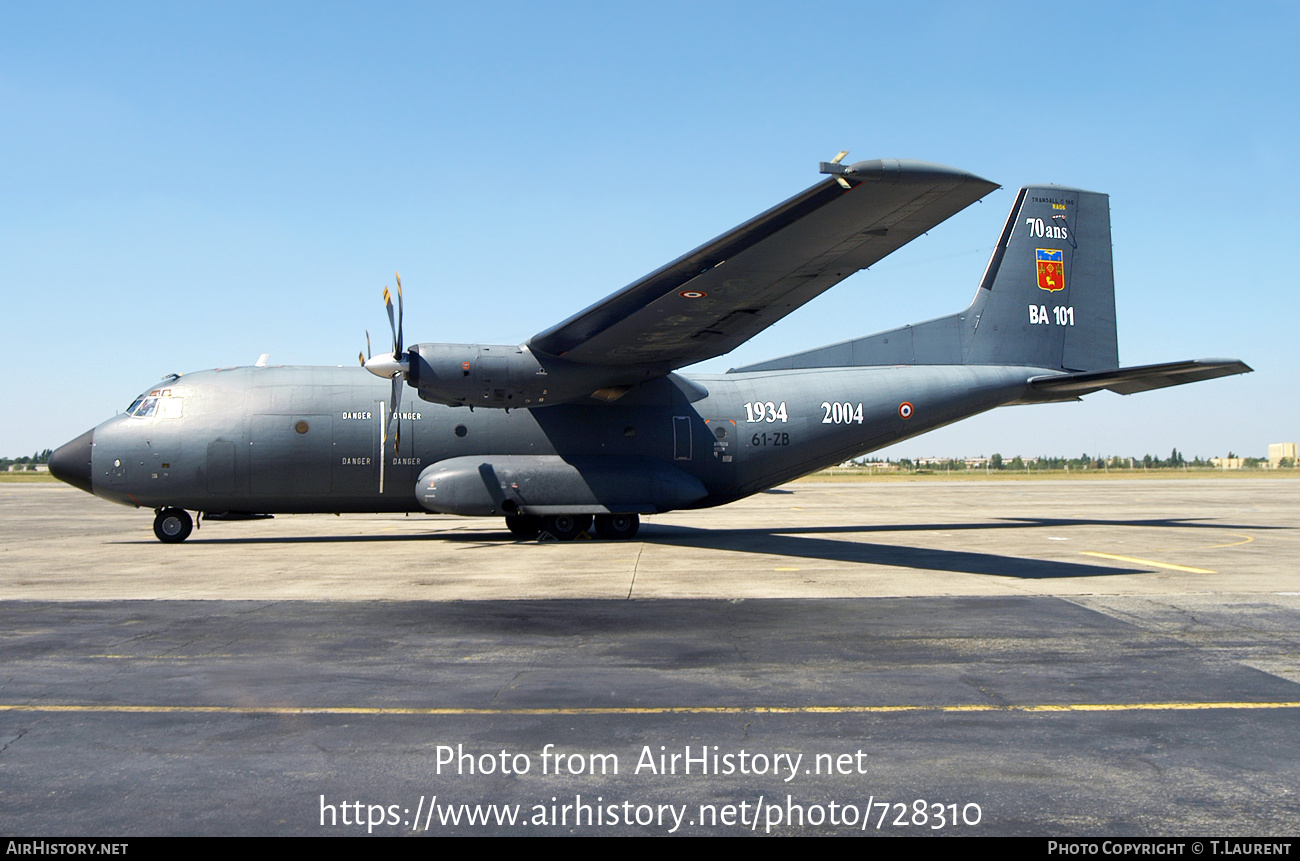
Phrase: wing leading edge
x=711 y=300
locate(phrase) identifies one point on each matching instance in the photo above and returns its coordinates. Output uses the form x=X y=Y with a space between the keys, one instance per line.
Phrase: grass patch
x=837 y=474
x=27 y=478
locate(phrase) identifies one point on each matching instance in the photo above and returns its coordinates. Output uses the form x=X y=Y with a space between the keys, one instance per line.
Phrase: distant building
x=1279 y=451
x=1226 y=462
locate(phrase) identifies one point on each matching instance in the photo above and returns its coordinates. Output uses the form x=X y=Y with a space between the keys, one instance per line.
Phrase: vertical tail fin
x=1048 y=296
x=1047 y=299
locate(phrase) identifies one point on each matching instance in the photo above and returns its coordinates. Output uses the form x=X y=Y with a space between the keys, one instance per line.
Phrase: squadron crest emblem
x=1051 y=269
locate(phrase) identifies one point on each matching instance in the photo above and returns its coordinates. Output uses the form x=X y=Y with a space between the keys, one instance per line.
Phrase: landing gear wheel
x=172 y=525
x=617 y=527
x=524 y=526
x=566 y=527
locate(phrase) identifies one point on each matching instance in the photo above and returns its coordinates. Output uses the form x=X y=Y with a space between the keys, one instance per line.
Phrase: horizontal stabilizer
x=1144 y=378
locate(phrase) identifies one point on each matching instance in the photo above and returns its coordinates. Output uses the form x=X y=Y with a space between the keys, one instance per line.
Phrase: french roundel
x=692 y=294
x=904 y=410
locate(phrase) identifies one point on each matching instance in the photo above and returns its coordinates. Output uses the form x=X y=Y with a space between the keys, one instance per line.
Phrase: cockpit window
x=145 y=407
x=162 y=402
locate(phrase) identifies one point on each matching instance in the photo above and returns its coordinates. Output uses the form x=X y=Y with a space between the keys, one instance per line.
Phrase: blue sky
x=189 y=185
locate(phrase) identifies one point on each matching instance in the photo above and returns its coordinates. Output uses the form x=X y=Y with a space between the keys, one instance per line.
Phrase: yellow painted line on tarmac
x=644 y=710
x=1150 y=562
x=1247 y=540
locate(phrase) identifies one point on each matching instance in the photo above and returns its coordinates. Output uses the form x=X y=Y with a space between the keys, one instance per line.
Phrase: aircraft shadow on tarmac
x=791 y=543
x=795 y=542
x=809 y=543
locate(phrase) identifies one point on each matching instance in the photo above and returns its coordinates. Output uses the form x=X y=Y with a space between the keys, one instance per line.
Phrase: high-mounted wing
x=707 y=302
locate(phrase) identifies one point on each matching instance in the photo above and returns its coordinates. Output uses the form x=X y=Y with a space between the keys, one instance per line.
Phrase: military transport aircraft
x=588 y=419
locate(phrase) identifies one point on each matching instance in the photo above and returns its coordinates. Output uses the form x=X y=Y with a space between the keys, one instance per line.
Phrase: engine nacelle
x=548 y=484
x=478 y=375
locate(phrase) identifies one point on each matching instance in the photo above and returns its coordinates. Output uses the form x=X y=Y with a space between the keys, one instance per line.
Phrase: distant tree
x=1017 y=462
x=995 y=461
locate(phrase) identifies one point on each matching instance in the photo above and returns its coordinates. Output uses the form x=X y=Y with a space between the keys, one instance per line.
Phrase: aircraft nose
x=70 y=462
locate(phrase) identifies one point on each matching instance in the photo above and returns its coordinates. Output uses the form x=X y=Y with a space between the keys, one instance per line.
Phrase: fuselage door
x=681 y=438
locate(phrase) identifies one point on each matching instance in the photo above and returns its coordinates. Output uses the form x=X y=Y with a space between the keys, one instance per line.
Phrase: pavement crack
x=496 y=696
x=636 y=566
x=980 y=687
x=5 y=743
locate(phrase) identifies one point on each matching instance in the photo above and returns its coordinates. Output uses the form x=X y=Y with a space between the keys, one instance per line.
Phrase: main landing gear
x=566 y=527
x=618 y=527
x=172 y=525
x=524 y=526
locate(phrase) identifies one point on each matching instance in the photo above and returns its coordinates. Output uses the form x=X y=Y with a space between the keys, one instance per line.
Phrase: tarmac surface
x=1067 y=659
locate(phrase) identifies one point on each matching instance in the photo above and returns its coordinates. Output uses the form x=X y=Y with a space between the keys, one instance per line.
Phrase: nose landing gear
x=172 y=525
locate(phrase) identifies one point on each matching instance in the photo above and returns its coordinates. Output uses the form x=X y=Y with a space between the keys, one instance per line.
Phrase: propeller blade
x=367 y=343
x=837 y=170
x=392 y=324
x=398 y=385
x=396 y=367
x=397 y=351
x=361 y=357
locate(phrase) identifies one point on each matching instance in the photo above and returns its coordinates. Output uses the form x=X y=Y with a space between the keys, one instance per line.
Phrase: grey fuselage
x=316 y=439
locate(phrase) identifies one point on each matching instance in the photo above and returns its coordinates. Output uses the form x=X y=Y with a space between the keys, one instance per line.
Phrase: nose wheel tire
x=172 y=525
x=618 y=527
x=566 y=527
